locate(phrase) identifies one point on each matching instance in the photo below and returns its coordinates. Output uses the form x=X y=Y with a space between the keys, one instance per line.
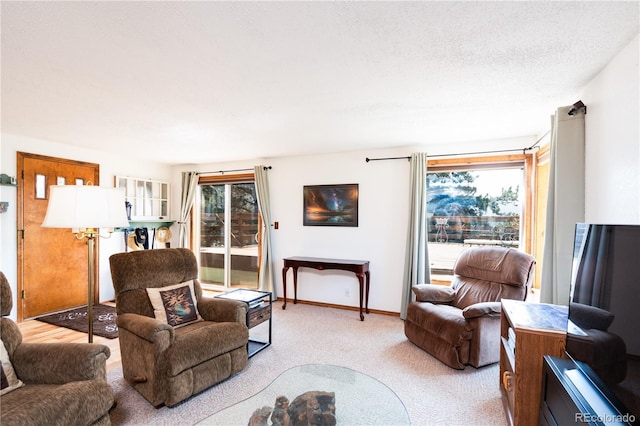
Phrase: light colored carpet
x=432 y=393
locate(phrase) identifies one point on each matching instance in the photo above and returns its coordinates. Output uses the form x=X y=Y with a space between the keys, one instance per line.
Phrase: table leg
x=368 y=277
x=295 y=285
x=361 y=282
x=284 y=286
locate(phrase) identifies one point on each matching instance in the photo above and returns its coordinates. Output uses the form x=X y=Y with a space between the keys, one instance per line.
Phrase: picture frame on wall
x=330 y=205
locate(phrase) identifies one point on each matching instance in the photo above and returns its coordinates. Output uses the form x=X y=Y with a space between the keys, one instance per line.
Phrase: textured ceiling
x=196 y=82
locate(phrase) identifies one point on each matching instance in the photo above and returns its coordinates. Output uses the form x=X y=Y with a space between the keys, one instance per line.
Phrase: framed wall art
x=330 y=205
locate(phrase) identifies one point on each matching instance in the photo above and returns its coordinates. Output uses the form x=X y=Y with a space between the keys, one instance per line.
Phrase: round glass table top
x=359 y=399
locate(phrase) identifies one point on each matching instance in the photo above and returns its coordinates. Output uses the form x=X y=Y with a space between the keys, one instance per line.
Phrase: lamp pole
x=90 y=234
x=91 y=237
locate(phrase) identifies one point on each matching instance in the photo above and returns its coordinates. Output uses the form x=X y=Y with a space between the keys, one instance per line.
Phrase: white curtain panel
x=189 y=185
x=416 y=264
x=565 y=204
x=265 y=280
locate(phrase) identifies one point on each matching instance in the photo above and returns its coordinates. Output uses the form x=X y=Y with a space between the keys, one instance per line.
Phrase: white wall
x=379 y=237
x=612 y=139
x=110 y=166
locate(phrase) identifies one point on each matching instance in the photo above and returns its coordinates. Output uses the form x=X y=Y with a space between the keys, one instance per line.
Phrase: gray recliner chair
x=164 y=358
x=460 y=324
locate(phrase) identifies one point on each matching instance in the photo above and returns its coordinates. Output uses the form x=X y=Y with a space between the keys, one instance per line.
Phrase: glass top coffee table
x=359 y=399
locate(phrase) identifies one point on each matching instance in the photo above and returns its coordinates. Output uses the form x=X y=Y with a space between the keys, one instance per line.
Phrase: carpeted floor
x=432 y=393
x=104 y=320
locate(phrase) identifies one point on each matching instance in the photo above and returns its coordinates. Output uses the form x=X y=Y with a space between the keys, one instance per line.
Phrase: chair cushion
x=202 y=341
x=75 y=403
x=497 y=264
x=470 y=291
x=175 y=304
x=8 y=376
x=444 y=321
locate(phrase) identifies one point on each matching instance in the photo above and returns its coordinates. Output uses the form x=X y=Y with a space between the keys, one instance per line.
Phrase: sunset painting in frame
x=331 y=205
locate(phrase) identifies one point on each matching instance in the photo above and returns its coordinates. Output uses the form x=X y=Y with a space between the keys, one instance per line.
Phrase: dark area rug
x=104 y=320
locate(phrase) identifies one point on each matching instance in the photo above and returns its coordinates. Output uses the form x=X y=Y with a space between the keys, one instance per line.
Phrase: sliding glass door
x=228 y=234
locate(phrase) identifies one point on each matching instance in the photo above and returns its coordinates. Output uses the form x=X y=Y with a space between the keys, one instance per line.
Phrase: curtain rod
x=233 y=170
x=387 y=158
x=524 y=150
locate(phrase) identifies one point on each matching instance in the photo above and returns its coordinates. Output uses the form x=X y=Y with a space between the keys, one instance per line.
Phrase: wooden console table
x=359 y=267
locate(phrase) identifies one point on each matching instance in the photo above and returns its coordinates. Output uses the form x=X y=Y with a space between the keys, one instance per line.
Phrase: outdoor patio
x=442 y=257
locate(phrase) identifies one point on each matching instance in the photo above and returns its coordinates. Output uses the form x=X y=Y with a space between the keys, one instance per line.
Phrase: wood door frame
x=20 y=158
x=541 y=179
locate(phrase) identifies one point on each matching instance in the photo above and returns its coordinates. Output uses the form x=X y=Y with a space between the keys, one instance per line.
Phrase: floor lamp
x=85 y=209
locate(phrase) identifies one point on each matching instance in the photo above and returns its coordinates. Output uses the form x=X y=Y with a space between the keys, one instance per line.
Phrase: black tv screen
x=604 y=310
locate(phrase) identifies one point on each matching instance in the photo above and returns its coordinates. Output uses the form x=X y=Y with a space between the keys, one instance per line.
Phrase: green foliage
x=243 y=198
x=508 y=196
x=454 y=194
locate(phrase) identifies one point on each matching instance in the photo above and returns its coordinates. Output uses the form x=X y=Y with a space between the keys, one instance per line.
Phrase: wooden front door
x=52 y=263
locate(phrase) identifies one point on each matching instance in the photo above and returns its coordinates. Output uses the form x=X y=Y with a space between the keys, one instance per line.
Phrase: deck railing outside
x=457 y=229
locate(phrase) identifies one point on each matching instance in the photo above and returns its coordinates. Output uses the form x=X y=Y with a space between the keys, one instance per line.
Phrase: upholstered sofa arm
x=146 y=328
x=481 y=309
x=58 y=363
x=433 y=293
x=222 y=310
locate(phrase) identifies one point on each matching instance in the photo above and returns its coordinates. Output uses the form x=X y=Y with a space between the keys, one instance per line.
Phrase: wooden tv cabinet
x=528 y=332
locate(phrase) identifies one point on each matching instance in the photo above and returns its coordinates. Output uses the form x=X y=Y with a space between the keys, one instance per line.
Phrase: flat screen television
x=603 y=334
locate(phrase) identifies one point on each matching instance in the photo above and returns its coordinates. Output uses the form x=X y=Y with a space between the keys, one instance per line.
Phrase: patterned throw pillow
x=175 y=304
x=8 y=376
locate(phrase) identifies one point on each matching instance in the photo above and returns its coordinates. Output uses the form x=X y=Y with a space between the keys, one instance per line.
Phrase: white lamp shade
x=85 y=206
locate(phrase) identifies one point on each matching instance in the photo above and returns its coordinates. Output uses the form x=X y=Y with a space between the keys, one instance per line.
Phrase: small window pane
x=131 y=187
x=41 y=187
x=139 y=207
x=79 y=182
x=61 y=181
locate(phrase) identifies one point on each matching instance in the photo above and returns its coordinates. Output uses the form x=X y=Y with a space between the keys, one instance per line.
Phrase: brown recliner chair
x=460 y=324
x=166 y=360
x=53 y=383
